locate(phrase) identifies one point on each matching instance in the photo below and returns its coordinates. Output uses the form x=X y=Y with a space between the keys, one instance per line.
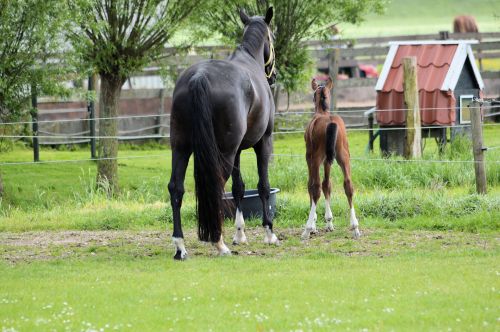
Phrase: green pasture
x=74 y=259
x=389 y=192
x=407 y=17
x=432 y=286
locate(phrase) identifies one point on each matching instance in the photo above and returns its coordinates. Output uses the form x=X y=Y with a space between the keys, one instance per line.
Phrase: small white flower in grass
x=388 y=310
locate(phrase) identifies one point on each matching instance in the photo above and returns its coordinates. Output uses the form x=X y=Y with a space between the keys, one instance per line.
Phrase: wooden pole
x=477 y=146
x=371 y=137
x=162 y=119
x=91 y=110
x=333 y=71
x=413 y=139
x=34 y=117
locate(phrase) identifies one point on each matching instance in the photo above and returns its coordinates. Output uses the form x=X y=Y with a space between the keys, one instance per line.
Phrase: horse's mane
x=253 y=36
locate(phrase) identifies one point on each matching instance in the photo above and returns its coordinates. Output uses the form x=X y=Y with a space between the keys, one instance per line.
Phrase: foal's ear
x=314 y=84
x=269 y=15
x=329 y=83
x=244 y=17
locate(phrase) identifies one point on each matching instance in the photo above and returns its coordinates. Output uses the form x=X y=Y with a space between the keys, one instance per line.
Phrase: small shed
x=448 y=79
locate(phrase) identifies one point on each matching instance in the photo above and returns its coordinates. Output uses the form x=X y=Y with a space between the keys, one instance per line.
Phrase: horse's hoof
x=225 y=253
x=329 y=227
x=180 y=256
x=273 y=239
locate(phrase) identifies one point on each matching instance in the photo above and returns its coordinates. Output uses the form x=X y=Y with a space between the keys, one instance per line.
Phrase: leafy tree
x=117 y=38
x=30 y=33
x=294 y=21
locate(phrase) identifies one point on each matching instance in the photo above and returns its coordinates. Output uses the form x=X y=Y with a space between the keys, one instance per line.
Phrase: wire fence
x=286 y=113
x=278 y=155
x=84 y=137
x=75 y=136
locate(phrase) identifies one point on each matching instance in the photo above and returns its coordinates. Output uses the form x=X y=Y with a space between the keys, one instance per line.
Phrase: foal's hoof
x=239 y=240
x=329 y=227
x=356 y=234
x=180 y=256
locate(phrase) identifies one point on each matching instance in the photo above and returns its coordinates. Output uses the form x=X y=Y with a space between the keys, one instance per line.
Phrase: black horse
x=219 y=108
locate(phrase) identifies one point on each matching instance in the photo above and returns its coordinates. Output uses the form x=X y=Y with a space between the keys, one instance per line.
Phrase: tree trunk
x=107 y=165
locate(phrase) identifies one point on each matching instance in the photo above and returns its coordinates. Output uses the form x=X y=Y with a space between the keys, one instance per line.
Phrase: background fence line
x=63 y=161
x=274 y=133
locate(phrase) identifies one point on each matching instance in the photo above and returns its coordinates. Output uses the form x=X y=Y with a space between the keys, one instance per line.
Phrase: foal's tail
x=208 y=171
x=331 y=141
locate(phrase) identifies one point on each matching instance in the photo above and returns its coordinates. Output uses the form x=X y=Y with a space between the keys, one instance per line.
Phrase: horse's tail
x=331 y=141
x=207 y=162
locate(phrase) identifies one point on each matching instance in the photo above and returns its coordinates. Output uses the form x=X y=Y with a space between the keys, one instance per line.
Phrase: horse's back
x=464 y=24
x=234 y=98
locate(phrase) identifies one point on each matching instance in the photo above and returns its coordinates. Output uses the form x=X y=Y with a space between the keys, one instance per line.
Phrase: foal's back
x=315 y=135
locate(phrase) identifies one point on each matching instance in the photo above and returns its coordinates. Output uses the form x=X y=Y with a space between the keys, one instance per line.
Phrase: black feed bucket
x=251 y=205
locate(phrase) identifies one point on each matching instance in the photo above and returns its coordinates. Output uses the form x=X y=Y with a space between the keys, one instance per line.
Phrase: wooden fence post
x=91 y=110
x=477 y=146
x=413 y=139
x=34 y=119
x=333 y=71
x=162 y=119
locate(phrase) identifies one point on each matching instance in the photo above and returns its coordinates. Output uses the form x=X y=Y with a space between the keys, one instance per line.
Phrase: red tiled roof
x=433 y=63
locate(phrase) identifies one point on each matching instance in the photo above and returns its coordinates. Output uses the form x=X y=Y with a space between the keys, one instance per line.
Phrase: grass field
x=444 y=282
x=72 y=259
x=406 y=17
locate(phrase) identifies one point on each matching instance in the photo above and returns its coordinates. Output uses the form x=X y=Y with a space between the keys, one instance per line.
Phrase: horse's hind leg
x=238 y=190
x=180 y=159
x=349 y=191
x=314 y=188
x=263 y=150
x=327 y=189
x=227 y=167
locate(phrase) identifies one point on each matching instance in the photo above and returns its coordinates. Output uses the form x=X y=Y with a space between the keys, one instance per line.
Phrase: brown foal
x=326 y=140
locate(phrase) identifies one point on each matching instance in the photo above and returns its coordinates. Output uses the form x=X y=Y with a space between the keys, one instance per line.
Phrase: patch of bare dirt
x=49 y=245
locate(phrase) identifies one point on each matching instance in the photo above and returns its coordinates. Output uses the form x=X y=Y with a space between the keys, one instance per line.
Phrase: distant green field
x=406 y=17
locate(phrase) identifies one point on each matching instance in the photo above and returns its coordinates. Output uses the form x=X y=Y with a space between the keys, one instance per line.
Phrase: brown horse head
x=465 y=23
x=321 y=95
